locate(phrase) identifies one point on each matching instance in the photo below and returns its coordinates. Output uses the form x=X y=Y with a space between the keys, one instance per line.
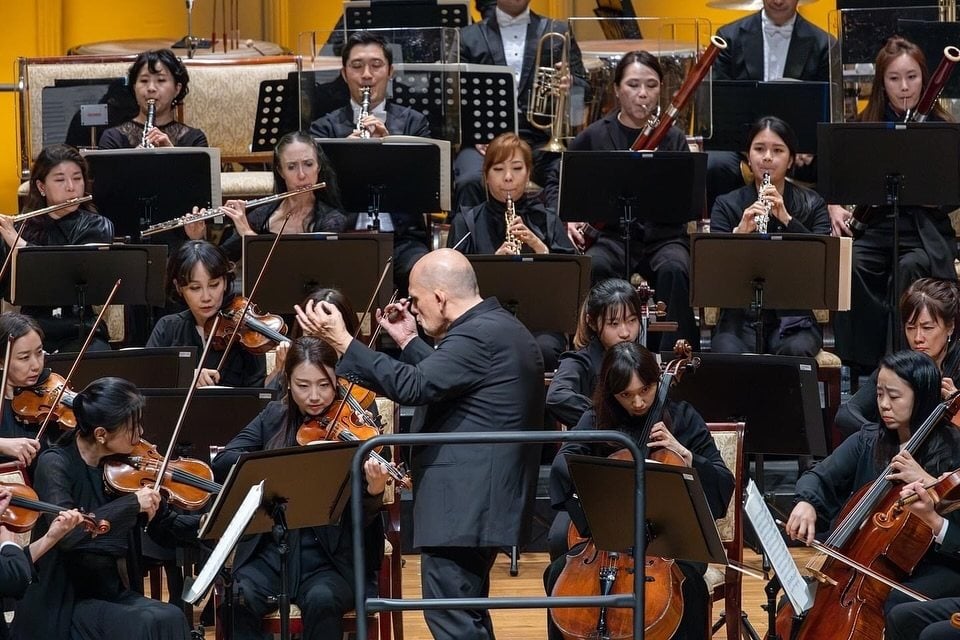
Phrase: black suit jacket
x=485 y=375
x=807 y=58
x=400 y=121
x=480 y=43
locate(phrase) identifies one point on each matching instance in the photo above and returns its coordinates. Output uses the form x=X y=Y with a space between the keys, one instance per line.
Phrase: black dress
x=80 y=591
x=128 y=135
x=691 y=431
x=570 y=391
x=242 y=368
x=321 y=580
x=325 y=218
x=786 y=332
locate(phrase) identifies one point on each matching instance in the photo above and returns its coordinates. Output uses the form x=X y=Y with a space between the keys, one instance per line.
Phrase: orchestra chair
x=723 y=582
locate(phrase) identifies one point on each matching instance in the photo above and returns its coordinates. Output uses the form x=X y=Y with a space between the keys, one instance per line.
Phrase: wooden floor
x=530 y=624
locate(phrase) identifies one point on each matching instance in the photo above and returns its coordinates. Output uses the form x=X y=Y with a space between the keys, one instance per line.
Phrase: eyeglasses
x=358 y=65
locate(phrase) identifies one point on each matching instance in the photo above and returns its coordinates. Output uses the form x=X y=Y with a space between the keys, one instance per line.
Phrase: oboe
x=762 y=219
x=509 y=215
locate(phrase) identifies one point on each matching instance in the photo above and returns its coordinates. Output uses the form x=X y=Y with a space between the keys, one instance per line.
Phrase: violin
x=188 y=482
x=33 y=404
x=945 y=493
x=25 y=510
x=260 y=332
x=595 y=572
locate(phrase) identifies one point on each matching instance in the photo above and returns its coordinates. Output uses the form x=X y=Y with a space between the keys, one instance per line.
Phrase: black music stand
x=85 y=274
x=156 y=367
x=518 y=281
x=302 y=263
x=611 y=186
x=738 y=104
x=374 y=14
x=679 y=522
x=204 y=427
x=760 y=272
x=369 y=180
x=137 y=188
x=303 y=487
x=896 y=172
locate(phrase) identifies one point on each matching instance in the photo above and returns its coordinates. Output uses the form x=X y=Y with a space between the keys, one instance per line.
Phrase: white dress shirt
x=513 y=32
x=776 y=42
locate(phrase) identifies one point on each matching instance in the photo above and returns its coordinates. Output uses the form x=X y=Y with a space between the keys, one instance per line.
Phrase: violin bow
x=186 y=404
x=7 y=261
x=6 y=370
x=253 y=291
x=76 y=361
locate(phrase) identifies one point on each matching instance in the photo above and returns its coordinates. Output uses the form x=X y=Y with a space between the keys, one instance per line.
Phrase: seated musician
x=18 y=441
x=81 y=591
x=58 y=175
x=781 y=207
x=908 y=389
x=927 y=242
x=928 y=620
x=368 y=62
x=202 y=276
x=659 y=252
x=929 y=309
x=626 y=390
x=532 y=229
x=297 y=162
x=322 y=557
x=156 y=75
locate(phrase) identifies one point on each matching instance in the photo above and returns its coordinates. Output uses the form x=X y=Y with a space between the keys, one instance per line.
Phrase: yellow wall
x=50 y=27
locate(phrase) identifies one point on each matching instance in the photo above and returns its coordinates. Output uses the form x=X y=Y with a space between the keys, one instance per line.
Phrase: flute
x=54 y=207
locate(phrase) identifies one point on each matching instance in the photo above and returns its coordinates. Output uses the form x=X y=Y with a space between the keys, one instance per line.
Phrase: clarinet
x=149 y=124
x=364 y=112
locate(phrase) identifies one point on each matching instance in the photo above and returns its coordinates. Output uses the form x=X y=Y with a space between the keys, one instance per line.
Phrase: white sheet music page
x=796 y=588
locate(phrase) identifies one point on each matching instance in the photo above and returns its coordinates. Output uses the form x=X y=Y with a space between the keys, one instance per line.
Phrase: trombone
x=21 y=217
x=547 y=109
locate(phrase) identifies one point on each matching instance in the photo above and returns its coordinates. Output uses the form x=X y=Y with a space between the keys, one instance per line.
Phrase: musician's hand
x=149 y=499
x=324 y=320
x=63 y=524
x=9 y=232
x=374 y=125
x=280 y=355
x=236 y=210
x=481 y=149
x=564 y=81
x=839 y=218
x=947 y=387
x=802 y=159
x=208 y=378
x=22 y=449
x=802 y=524
x=5 y=496
x=924 y=507
x=376 y=475
x=158 y=138
x=196 y=230
x=397 y=320
x=523 y=233
x=575 y=233
x=907 y=470
x=748 y=222
x=660 y=436
x=506 y=249
x=777 y=208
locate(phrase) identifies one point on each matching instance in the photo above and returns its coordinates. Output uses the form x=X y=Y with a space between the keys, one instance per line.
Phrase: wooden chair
x=723 y=582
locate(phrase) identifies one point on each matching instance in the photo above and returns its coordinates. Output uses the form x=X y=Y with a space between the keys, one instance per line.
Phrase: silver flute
x=364 y=112
x=176 y=223
x=149 y=124
x=763 y=218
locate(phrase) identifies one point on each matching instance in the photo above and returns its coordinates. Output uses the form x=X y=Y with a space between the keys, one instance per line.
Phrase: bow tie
x=507 y=21
x=778 y=32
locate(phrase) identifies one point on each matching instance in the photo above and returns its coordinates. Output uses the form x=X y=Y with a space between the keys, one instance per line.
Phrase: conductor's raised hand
x=324 y=321
x=397 y=320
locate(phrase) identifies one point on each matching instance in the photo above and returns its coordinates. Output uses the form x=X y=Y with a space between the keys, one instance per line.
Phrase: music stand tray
x=156 y=367
x=679 y=522
x=85 y=274
x=137 y=188
x=517 y=282
x=301 y=263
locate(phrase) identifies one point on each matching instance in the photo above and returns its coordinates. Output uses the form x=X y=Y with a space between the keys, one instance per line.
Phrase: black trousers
x=736 y=333
x=923 y=620
x=457 y=572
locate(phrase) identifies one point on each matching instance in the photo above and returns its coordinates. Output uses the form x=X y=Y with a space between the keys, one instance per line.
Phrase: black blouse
x=488 y=227
x=128 y=135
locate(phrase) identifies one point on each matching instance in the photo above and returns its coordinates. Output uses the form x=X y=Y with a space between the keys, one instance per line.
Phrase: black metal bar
x=362 y=604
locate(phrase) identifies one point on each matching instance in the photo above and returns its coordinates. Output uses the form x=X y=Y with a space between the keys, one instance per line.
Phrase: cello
x=595 y=572
x=874 y=531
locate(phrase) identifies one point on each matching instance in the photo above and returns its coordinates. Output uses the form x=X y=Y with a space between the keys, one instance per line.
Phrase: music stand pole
x=626 y=224
x=757 y=307
x=894 y=182
x=279 y=532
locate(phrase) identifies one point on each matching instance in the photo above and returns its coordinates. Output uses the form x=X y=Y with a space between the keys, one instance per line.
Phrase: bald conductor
x=485 y=374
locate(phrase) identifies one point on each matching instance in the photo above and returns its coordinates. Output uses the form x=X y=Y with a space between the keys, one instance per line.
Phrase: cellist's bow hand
x=906 y=469
x=802 y=523
x=923 y=505
x=397 y=320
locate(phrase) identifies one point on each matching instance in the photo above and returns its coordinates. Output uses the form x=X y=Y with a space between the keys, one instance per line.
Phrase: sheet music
x=793 y=583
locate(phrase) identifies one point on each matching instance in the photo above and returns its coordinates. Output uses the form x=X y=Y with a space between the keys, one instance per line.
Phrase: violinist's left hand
x=376 y=475
x=947 y=387
x=924 y=507
x=324 y=320
x=907 y=470
x=660 y=436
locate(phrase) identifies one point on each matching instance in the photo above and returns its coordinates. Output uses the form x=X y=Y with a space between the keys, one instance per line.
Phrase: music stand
x=158 y=367
x=351 y=263
x=517 y=282
x=738 y=104
x=204 y=427
x=760 y=272
x=897 y=171
x=618 y=187
x=136 y=188
x=374 y=14
x=85 y=274
x=303 y=487
x=369 y=180
x=679 y=522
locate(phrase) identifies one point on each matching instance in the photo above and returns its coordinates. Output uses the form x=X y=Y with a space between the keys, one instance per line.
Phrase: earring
x=101 y=440
x=42 y=192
